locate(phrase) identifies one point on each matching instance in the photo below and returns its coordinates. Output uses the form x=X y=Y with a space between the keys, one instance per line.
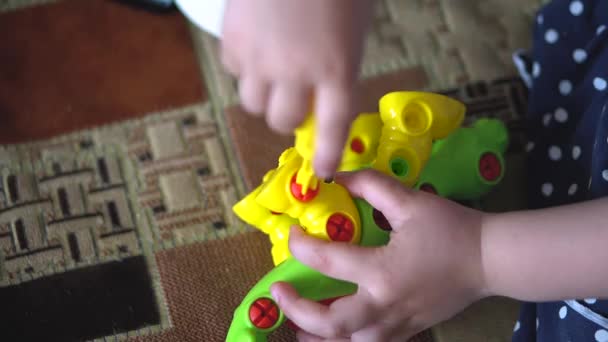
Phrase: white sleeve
x=208 y=15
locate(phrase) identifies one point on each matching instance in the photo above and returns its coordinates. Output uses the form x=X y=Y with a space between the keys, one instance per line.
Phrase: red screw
x=490 y=167
x=356 y=145
x=296 y=191
x=340 y=228
x=263 y=313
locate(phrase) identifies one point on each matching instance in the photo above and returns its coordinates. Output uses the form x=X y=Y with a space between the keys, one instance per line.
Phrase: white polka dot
x=517 y=326
x=590 y=300
x=599 y=83
x=547 y=119
x=605 y=175
x=601 y=335
x=563 y=311
x=572 y=189
x=547 y=189
x=579 y=55
x=576 y=8
x=561 y=115
x=529 y=146
x=565 y=87
x=540 y=19
x=551 y=36
x=600 y=29
x=576 y=152
x=535 y=69
x=555 y=153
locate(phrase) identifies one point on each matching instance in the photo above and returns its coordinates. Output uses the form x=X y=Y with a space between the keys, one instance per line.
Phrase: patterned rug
x=117 y=175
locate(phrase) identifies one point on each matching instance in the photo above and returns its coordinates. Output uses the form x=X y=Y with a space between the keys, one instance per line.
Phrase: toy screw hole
x=381 y=221
x=399 y=167
x=427 y=187
x=415 y=119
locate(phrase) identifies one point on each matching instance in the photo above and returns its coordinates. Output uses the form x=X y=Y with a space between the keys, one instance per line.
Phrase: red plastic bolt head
x=357 y=146
x=340 y=228
x=263 y=313
x=490 y=167
x=296 y=191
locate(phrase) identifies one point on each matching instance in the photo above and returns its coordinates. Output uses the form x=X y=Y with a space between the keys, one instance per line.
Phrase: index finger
x=334 y=115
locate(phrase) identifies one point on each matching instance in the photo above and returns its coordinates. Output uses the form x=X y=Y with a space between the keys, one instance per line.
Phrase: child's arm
x=549 y=254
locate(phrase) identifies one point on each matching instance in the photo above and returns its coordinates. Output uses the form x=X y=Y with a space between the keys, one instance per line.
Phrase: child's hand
x=430 y=270
x=285 y=53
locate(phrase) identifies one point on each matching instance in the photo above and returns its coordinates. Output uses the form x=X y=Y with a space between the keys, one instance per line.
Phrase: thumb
x=382 y=192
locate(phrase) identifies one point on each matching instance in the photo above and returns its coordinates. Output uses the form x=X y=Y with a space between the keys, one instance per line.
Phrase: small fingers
x=338 y=260
x=384 y=193
x=230 y=61
x=254 y=93
x=289 y=103
x=338 y=320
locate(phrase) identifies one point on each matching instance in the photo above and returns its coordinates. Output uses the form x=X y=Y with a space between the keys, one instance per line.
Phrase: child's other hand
x=430 y=270
x=285 y=53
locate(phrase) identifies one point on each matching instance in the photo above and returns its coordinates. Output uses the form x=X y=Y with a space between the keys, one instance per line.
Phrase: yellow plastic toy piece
x=327 y=212
x=412 y=121
x=276 y=225
x=304 y=145
x=397 y=142
x=360 y=149
x=362 y=143
x=282 y=194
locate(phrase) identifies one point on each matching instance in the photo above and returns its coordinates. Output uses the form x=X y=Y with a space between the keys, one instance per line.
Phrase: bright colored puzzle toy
x=416 y=138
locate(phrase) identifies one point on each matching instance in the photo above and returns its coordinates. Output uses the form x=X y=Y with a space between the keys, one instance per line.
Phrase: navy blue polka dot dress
x=567 y=73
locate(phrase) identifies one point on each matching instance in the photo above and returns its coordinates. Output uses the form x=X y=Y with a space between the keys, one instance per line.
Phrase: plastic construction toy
x=416 y=138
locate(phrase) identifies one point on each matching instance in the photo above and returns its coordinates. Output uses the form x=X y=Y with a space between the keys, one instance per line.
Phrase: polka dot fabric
x=568 y=144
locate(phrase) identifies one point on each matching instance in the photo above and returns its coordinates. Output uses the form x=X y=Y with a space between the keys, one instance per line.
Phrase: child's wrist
x=488 y=287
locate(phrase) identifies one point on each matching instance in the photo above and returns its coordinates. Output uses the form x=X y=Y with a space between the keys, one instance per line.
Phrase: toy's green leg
x=258 y=315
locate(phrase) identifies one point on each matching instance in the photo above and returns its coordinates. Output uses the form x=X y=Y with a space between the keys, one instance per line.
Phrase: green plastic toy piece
x=468 y=163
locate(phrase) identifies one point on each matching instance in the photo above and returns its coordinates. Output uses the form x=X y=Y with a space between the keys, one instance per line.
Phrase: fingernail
x=322 y=170
x=324 y=174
